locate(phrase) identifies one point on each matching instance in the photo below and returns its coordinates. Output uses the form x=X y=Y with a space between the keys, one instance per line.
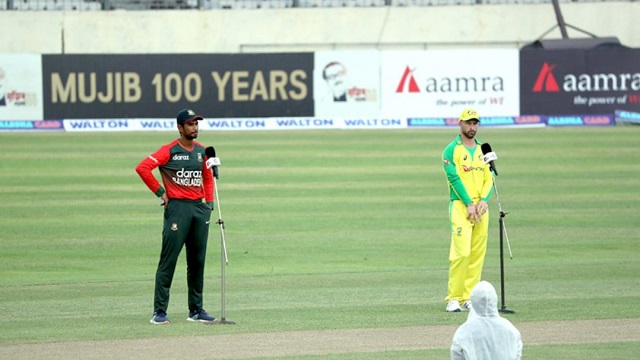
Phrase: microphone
x=489 y=157
x=213 y=161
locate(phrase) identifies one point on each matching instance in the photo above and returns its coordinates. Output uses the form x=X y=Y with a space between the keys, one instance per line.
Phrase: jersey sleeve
x=455 y=183
x=147 y=165
x=207 y=183
x=487 y=187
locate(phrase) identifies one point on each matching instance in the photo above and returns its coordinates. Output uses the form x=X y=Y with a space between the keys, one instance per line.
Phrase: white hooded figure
x=486 y=335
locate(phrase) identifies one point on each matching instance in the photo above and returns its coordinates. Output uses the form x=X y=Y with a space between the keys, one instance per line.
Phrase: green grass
x=325 y=230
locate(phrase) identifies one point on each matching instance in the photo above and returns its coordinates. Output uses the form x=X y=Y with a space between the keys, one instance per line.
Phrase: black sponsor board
x=158 y=85
x=596 y=81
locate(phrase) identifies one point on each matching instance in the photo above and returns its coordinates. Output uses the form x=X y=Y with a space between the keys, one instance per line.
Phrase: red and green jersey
x=183 y=171
x=469 y=178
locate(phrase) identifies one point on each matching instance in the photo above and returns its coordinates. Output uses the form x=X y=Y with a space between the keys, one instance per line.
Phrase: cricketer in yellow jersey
x=470 y=186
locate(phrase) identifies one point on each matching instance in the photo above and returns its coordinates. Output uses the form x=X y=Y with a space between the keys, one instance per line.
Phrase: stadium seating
x=246 y=4
x=92 y=5
x=59 y=5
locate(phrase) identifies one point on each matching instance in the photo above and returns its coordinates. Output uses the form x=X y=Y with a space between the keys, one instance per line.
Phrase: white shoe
x=466 y=306
x=453 y=306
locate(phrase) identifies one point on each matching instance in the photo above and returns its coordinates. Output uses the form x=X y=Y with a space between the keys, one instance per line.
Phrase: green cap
x=186 y=115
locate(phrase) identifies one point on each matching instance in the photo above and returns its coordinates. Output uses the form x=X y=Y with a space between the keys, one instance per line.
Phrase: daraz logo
x=408 y=82
x=546 y=81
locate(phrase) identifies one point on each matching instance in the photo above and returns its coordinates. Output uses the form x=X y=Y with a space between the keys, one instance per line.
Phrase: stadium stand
x=340 y=3
x=93 y=5
x=60 y=5
x=51 y=5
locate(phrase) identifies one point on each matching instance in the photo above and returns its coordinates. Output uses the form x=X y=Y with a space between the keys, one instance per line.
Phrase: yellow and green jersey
x=469 y=178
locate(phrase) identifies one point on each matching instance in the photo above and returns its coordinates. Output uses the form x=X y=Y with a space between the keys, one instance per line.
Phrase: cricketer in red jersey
x=187 y=197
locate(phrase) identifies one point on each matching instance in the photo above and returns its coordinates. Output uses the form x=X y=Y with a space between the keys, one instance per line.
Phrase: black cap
x=186 y=115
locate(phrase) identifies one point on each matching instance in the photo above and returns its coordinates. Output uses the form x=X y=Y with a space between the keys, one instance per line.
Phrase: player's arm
x=147 y=165
x=456 y=184
x=485 y=192
x=453 y=177
x=487 y=187
x=207 y=184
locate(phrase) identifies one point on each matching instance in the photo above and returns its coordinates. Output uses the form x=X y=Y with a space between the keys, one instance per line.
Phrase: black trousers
x=186 y=223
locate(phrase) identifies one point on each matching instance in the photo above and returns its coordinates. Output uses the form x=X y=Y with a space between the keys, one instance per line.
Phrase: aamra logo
x=408 y=82
x=546 y=81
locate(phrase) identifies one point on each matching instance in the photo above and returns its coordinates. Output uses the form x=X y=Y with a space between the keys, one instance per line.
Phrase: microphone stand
x=224 y=259
x=503 y=235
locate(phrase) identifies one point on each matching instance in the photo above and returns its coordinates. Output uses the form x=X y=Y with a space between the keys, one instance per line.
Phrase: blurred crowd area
x=94 y=5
